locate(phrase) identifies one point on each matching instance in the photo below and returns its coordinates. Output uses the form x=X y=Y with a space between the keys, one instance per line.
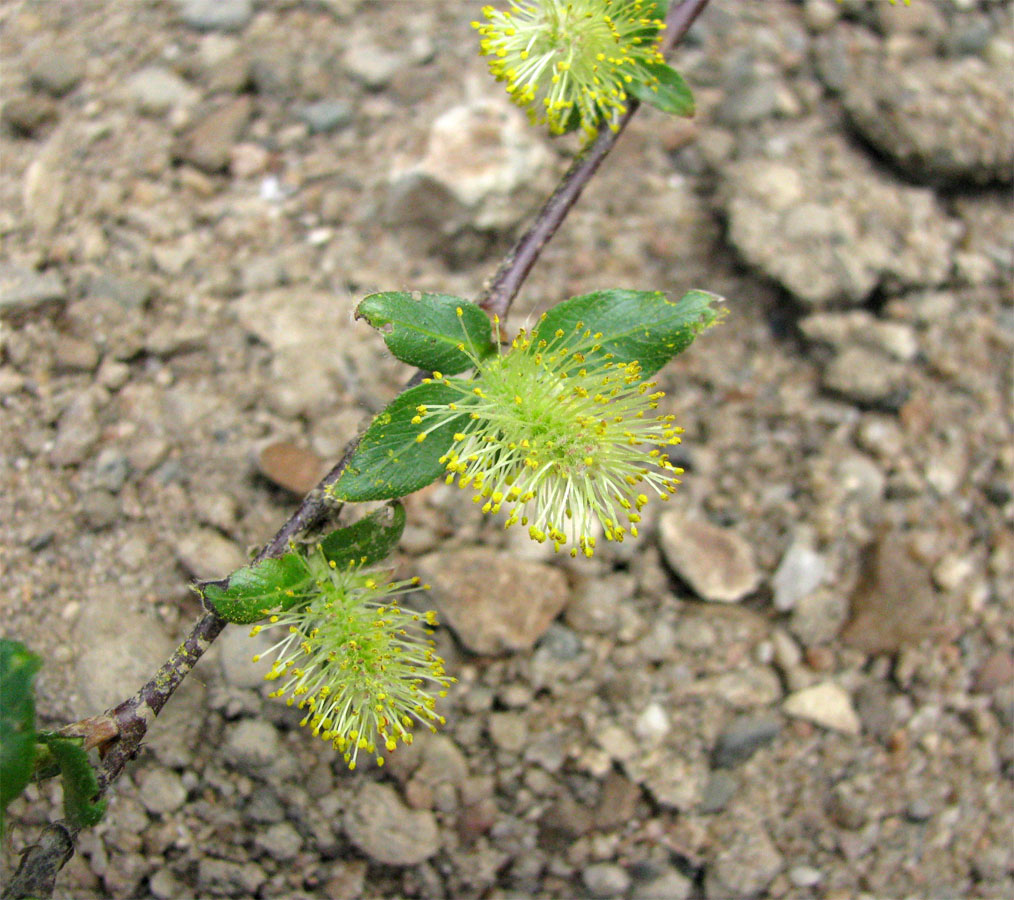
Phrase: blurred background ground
x=797 y=683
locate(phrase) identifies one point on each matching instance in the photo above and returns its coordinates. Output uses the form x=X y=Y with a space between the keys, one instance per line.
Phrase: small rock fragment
x=387 y=831
x=715 y=562
x=494 y=604
x=825 y=704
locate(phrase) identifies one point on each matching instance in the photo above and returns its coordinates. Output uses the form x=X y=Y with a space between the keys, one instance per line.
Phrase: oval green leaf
x=671 y=94
x=80 y=784
x=641 y=325
x=426 y=331
x=389 y=461
x=251 y=593
x=367 y=541
x=17 y=719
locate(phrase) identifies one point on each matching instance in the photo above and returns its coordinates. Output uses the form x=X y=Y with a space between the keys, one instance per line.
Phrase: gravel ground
x=798 y=683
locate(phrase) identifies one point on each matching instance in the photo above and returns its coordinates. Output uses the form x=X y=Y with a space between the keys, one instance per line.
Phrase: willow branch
x=518 y=262
x=118 y=733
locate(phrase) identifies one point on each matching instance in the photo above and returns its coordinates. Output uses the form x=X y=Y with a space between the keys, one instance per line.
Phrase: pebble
x=596 y=601
x=485 y=158
x=231 y=879
x=800 y=571
x=836 y=228
x=206 y=554
x=77 y=431
x=291 y=466
x=326 y=116
x=670 y=884
x=744 y=866
x=26 y=115
x=805 y=876
x=370 y=64
x=995 y=672
x=716 y=563
x=100 y=509
x=825 y=704
x=216 y=15
x=155 y=90
x=208 y=143
x=387 y=831
x=867 y=377
x=476 y=593
x=236 y=650
x=71 y=354
x=120 y=648
x=111 y=469
x=509 y=731
x=23 y=290
x=281 y=842
x=742 y=738
x=719 y=790
x=252 y=745
x=894 y=603
x=944 y=121
x=605 y=879
x=162 y=791
x=57 y=73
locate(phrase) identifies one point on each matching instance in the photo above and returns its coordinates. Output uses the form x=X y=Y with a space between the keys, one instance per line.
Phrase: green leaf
x=17 y=719
x=389 y=461
x=367 y=541
x=250 y=593
x=641 y=325
x=671 y=95
x=425 y=330
x=80 y=784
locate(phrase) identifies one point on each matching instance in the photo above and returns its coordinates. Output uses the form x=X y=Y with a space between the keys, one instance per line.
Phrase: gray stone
x=814 y=214
x=370 y=64
x=208 y=144
x=216 y=15
x=509 y=731
x=387 y=831
x=231 y=879
x=77 y=431
x=162 y=791
x=670 y=884
x=252 y=745
x=326 y=116
x=156 y=90
x=801 y=570
x=476 y=593
x=206 y=554
x=22 y=290
x=825 y=704
x=744 y=867
x=595 y=605
x=483 y=155
x=100 y=509
x=120 y=649
x=942 y=120
x=127 y=292
x=605 y=879
x=111 y=469
x=57 y=73
x=719 y=790
x=740 y=740
x=716 y=563
x=281 y=842
x=867 y=377
x=236 y=650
